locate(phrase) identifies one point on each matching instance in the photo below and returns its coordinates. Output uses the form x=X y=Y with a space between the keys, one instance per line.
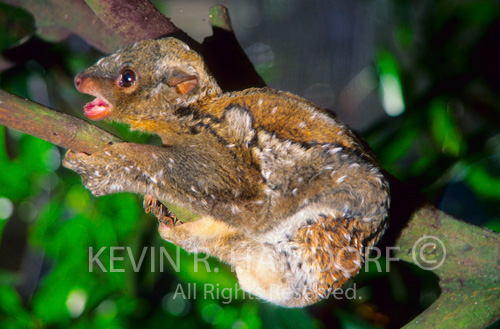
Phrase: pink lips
x=98 y=109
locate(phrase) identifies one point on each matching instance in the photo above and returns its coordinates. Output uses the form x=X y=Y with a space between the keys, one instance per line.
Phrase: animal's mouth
x=98 y=109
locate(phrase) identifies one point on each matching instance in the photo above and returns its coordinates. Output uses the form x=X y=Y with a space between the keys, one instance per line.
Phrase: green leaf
x=445 y=129
x=47 y=223
x=26 y=171
x=123 y=211
x=391 y=92
x=397 y=147
x=11 y=306
x=483 y=182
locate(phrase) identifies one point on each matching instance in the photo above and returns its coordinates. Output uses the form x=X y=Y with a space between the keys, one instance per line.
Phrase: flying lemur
x=282 y=190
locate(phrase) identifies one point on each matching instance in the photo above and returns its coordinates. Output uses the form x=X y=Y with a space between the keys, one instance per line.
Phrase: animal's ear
x=183 y=83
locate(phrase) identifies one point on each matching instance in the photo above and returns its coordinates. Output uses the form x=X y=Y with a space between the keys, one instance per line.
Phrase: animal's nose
x=78 y=82
x=84 y=84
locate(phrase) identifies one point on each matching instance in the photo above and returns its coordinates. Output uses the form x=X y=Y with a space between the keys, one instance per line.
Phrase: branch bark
x=466 y=258
x=470 y=271
x=469 y=275
x=55 y=127
x=133 y=20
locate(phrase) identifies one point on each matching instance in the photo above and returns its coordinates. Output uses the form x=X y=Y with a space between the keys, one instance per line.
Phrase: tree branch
x=469 y=275
x=55 y=127
x=133 y=20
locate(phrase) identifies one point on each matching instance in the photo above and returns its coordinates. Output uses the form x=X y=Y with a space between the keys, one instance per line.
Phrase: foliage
x=444 y=55
x=445 y=142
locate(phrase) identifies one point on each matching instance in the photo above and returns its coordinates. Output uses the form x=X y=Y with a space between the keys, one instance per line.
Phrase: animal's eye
x=127 y=79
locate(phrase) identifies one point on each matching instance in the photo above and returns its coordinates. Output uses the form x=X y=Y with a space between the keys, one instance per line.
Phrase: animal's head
x=148 y=79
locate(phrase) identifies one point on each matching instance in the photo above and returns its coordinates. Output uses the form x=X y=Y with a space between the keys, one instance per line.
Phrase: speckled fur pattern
x=285 y=192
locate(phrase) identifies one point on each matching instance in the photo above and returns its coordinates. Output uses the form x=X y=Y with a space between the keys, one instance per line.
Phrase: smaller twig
x=219 y=18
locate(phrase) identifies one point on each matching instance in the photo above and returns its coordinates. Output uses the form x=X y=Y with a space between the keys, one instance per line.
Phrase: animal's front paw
x=75 y=161
x=95 y=175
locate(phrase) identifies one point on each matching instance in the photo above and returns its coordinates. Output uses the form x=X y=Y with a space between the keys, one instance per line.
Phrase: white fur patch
x=294 y=222
x=240 y=125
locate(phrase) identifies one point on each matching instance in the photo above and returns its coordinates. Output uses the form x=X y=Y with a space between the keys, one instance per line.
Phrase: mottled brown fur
x=285 y=192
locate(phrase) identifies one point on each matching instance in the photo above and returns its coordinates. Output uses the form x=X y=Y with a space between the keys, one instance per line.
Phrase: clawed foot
x=165 y=216
x=94 y=171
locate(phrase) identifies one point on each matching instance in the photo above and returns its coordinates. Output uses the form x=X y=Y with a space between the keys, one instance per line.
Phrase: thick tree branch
x=133 y=20
x=470 y=270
